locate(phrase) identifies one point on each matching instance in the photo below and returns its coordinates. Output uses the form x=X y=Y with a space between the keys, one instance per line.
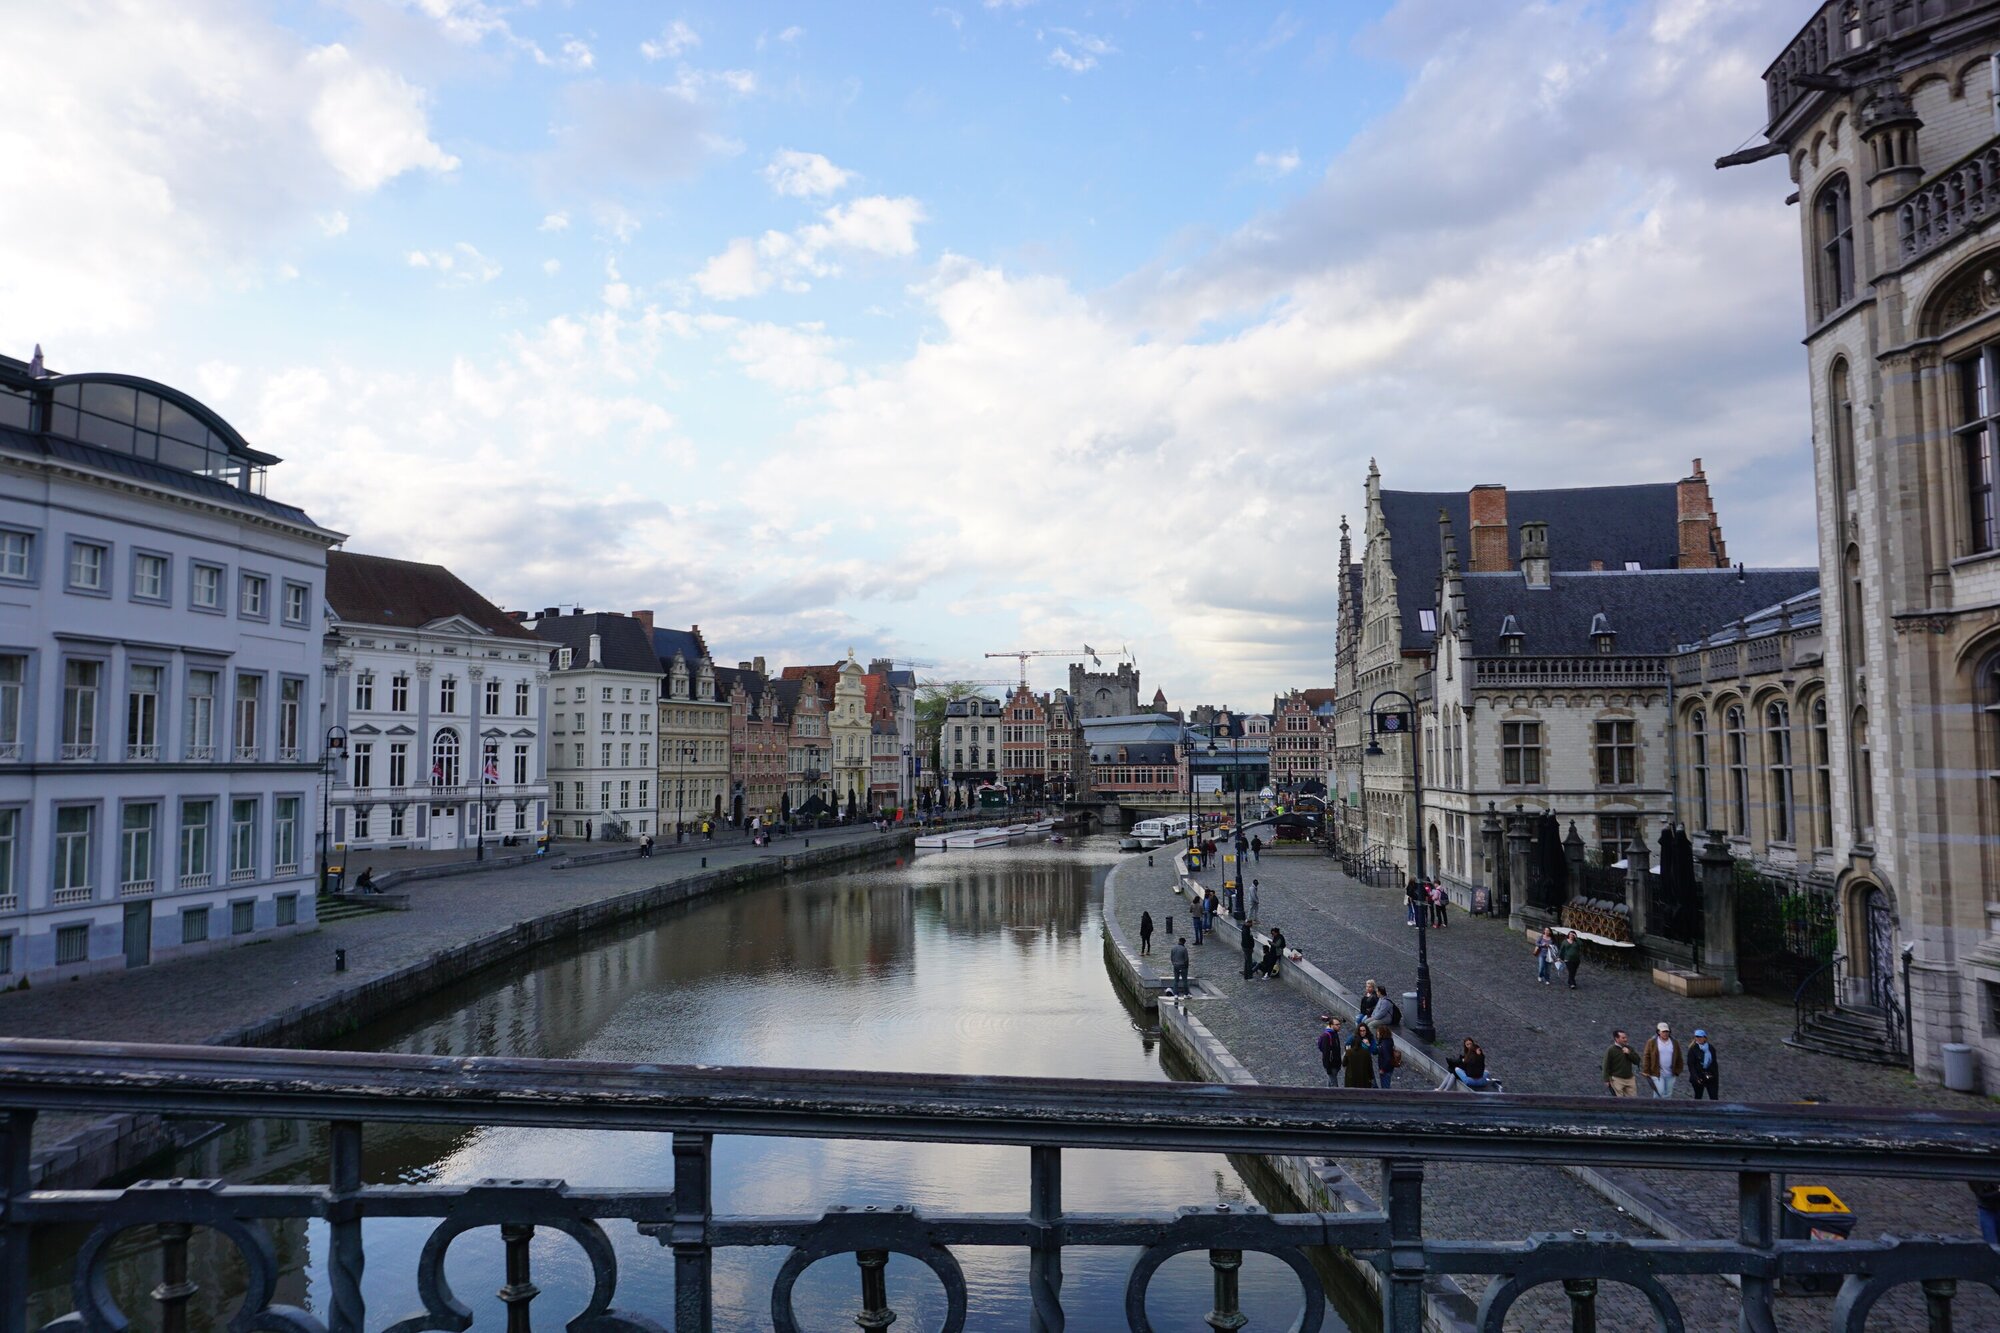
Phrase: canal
x=981 y=962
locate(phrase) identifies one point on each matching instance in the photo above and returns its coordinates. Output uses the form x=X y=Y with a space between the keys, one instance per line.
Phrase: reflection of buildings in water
x=1017 y=896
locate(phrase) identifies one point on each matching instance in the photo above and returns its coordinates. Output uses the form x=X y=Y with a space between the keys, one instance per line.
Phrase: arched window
x=1862 y=770
x=1978 y=434
x=444 y=759
x=1840 y=402
x=1778 y=764
x=1852 y=637
x=1833 y=221
x=1698 y=765
x=1738 y=758
x=1822 y=776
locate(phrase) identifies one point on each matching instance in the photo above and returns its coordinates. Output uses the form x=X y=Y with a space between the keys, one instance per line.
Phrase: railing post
x=1228 y=1265
x=1582 y=1293
x=1754 y=1230
x=520 y=1288
x=1938 y=1292
x=875 y=1311
x=1403 y=1292
x=689 y=1234
x=1045 y=1259
x=175 y=1290
x=347 y=1313
x=16 y=1139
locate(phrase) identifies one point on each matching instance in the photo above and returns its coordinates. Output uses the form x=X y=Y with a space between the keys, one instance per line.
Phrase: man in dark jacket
x=1703 y=1073
x=1249 y=950
x=1332 y=1049
x=1178 y=956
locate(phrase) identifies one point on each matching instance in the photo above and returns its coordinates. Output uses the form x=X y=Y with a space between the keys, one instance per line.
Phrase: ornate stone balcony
x=1583 y=672
x=1848 y=30
x=1951 y=203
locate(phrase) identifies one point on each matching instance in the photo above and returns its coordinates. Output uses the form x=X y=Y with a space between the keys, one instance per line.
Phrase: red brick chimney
x=644 y=618
x=1700 y=531
x=1488 y=506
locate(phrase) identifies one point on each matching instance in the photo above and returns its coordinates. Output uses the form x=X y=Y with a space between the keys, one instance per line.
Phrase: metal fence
x=1786 y=934
x=693 y=1104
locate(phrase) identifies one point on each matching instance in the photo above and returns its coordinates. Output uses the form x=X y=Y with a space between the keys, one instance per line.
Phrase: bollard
x=809 y=842
x=1149 y=861
x=704 y=863
x=340 y=960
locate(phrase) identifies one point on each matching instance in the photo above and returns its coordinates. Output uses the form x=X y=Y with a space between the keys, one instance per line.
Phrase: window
x=1737 y=756
x=291 y=696
x=79 y=723
x=206 y=591
x=490 y=815
x=625 y=795
x=1778 y=761
x=578 y=750
x=86 y=566
x=361 y=823
x=242 y=840
x=521 y=816
x=13 y=671
x=72 y=882
x=444 y=759
x=1979 y=413
x=10 y=850
x=149 y=577
x=604 y=751
x=242 y=917
x=287 y=909
x=492 y=698
x=72 y=944
x=1863 y=771
x=520 y=698
x=399 y=763
x=1842 y=426
x=135 y=849
x=1427 y=620
x=1698 y=765
x=17 y=556
x=645 y=751
x=285 y=835
x=249 y=694
x=296 y=595
x=201 y=715
x=361 y=764
x=1617 y=754
x=448 y=695
x=364 y=692
x=520 y=765
x=625 y=755
x=1834 y=226
x=644 y=786
x=194 y=844
x=1618 y=836
x=398 y=822
x=250 y=596
x=142 y=711
x=604 y=796
x=1521 y=753
x=627 y=698
x=645 y=696
x=624 y=722
x=606 y=724
x=607 y=698
x=194 y=925
x=399 y=693
x=1822 y=777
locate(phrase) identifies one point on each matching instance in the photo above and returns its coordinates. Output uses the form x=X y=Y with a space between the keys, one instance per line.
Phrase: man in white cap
x=1663 y=1060
x=1703 y=1075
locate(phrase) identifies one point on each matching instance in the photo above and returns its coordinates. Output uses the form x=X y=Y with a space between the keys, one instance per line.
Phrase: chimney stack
x=1535 y=554
x=549 y=613
x=1700 y=531
x=644 y=618
x=596 y=657
x=1488 y=507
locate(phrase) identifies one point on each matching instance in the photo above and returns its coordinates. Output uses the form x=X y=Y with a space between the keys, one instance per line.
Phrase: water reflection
x=973 y=962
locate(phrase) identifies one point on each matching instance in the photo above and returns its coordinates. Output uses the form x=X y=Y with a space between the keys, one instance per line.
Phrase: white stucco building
x=603 y=698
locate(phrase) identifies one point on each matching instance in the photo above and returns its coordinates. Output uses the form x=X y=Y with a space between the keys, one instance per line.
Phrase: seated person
x=365 y=882
x=1467 y=1067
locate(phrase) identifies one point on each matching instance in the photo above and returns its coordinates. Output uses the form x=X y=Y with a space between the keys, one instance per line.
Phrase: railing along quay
x=695 y=1103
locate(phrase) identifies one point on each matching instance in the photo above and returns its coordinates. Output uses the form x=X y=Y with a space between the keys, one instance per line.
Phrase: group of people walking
x=1426 y=903
x=1662 y=1062
x=1557 y=960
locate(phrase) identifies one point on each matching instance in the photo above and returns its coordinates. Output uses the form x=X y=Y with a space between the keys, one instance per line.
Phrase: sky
x=925 y=329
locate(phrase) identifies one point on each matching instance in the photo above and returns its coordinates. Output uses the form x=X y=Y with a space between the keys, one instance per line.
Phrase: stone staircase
x=1858 y=1033
x=341 y=907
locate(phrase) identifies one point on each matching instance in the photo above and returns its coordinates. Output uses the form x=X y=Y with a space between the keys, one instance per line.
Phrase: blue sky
x=929 y=329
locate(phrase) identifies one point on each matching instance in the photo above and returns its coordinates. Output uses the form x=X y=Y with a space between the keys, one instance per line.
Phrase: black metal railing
x=696 y=1103
x=1818 y=992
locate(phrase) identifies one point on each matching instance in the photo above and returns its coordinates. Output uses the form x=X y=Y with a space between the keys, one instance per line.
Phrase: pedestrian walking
x=1178 y=956
x=1571 y=957
x=1439 y=901
x=1621 y=1065
x=1331 y=1049
x=1256 y=848
x=1387 y=1058
x=1664 y=1061
x=1545 y=956
x=1253 y=898
x=1413 y=897
x=1198 y=918
x=1249 y=951
x=646 y=845
x=1357 y=1067
x=1703 y=1074
x=1145 y=932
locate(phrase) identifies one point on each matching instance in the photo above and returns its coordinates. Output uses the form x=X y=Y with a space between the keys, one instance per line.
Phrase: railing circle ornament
x=852 y=1233
x=1154 y=1256
x=1578 y=1257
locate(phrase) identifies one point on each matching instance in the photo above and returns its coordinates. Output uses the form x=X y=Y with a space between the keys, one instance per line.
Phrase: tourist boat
x=963 y=840
x=1130 y=845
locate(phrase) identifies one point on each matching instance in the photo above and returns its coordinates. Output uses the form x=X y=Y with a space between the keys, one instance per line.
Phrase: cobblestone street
x=1544 y=1040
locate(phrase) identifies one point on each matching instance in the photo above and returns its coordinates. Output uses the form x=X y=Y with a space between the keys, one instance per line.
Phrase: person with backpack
x=1357 y=1067
x=1332 y=1049
x=1377 y=1007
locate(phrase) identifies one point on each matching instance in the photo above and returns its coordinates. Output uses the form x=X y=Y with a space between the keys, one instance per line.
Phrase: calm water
x=967 y=962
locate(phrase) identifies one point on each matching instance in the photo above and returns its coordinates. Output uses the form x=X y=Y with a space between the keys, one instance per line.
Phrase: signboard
x=1392 y=724
x=1205 y=783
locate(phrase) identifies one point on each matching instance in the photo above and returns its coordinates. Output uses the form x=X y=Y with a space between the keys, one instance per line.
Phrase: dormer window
x=1427 y=621
x=563 y=656
x=1510 y=636
x=1601 y=632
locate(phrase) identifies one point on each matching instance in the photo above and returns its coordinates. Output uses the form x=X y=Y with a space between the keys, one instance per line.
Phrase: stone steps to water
x=339 y=907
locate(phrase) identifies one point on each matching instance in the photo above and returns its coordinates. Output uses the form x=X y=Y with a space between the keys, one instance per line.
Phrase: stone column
x=1636 y=896
x=1573 y=856
x=1718 y=912
x=1492 y=849
x=1520 y=837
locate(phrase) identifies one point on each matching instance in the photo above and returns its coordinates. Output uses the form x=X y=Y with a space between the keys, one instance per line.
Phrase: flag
x=437 y=774
x=493 y=770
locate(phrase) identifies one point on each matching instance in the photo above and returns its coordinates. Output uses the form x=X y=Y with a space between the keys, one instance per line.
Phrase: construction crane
x=1025 y=653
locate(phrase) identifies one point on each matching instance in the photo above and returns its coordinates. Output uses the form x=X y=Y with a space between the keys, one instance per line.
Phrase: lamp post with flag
x=1401 y=722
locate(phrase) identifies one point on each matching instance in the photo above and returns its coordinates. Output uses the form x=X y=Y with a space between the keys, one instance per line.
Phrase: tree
x=932 y=700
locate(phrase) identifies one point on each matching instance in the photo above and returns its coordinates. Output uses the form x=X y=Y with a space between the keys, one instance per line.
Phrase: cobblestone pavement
x=195 y=999
x=1552 y=1040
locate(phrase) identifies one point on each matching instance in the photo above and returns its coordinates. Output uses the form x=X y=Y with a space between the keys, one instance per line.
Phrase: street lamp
x=680 y=792
x=330 y=755
x=1187 y=757
x=1424 y=1029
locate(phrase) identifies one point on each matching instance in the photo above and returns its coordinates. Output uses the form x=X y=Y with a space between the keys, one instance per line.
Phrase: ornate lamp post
x=1424 y=1029
x=1187 y=758
x=331 y=755
x=680 y=790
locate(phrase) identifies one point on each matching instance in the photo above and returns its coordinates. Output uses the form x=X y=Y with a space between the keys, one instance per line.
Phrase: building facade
x=602 y=700
x=1301 y=740
x=443 y=698
x=1885 y=116
x=757 y=741
x=808 y=745
x=1024 y=744
x=160 y=678
x=850 y=728
x=969 y=745
x=695 y=777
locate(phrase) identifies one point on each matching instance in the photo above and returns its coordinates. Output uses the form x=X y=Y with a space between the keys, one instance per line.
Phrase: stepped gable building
x=1024 y=740
x=1390 y=609
x=602 y=703
x=757 y=740
x=160 y=678
x=694 y=727
x=1301 y=740
x=444 y=699
x=1884 y=115
x=803 y=704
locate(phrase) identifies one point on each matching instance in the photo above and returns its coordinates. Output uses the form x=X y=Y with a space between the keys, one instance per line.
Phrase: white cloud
x=874 y=225
x=1280 y=163
x=460 y=266
x=791 y=34
x=552 y=266
x=1087 y=49
x=555 y=222
x=804 y=174
x=575 y=55
x=370 y=123
x=332 y=224
x=676 y=38
x=1062 y=59
x=795 y=360
x=733 y=274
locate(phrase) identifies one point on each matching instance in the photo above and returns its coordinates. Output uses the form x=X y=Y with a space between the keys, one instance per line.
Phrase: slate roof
x=727 y=679
x=827 y=676
x=1800 y=611
x=623 y=642
x=1136 y=752
x=66 y=450
x=1650 y=611
x=1614 y=524
x=686 y=642
x=376 y=590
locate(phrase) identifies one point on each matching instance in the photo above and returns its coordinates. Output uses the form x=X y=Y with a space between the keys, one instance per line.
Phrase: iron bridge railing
x=696 y=1103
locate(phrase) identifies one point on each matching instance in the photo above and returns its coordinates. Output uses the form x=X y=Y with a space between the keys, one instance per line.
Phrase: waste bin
x=1814 y=1212
x=1409 y=1005
x=1960 y=1073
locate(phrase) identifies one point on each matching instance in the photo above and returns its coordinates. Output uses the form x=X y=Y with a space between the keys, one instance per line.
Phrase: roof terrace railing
x=695 y=1103
x=1843 y=30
